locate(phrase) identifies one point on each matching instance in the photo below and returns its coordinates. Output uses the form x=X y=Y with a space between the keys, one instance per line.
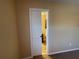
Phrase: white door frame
x=46 y=30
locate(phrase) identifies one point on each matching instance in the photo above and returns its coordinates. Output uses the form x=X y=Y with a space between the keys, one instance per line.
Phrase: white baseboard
x=52 y=53
x=63 y=51
x=27 y=57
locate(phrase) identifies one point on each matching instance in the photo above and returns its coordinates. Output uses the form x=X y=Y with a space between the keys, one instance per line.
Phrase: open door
x=35 y=31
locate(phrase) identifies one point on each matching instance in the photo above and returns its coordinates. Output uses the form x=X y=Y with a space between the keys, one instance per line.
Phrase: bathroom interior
x=43 y=35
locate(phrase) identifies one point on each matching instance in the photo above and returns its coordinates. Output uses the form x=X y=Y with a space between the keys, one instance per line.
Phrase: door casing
x=47 y=30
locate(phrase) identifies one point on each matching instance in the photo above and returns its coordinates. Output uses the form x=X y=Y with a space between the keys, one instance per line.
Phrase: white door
x=35 y=31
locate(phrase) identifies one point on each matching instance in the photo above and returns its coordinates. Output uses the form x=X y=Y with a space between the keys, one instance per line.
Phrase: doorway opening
x=39 y=31
x=44 y=17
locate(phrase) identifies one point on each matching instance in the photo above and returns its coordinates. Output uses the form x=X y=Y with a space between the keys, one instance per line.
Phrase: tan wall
x=61 y=22
x=8 y=31
x=66 y=28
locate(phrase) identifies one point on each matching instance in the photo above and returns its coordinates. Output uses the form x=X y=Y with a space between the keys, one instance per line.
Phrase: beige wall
x=65 y=29
x=8 y=30
x=62 y=21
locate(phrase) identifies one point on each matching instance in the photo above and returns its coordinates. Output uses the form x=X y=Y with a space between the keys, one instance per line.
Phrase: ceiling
x=62 y=1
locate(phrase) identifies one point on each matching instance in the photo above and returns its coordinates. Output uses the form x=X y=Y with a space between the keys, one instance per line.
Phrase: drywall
x=24 y=31
x=63 y=25
x=8 y=30
x=65 y=29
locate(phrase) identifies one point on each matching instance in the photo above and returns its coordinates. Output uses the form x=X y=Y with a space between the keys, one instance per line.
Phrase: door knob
x=41 y=35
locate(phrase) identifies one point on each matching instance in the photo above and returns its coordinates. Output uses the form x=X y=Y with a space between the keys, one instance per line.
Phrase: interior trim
x=27 y=57
x=52 y=53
